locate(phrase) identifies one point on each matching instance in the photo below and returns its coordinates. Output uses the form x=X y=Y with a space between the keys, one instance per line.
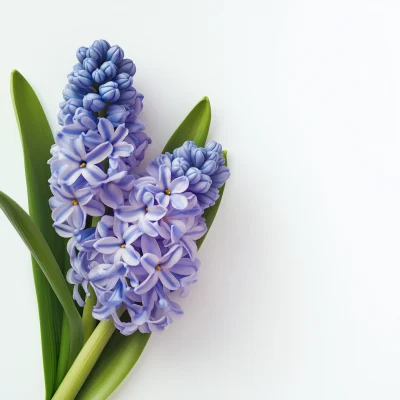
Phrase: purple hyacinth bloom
x=143 y=211
x=115 y=54
x=74 y=205
x=117 y=114
x=109 y=68
x=123 y=80
x=119 y=246
x=99 y=76
x=127 y=66
x=158 y=266
x=90 y=65
x=79 y=163
x=167 y=191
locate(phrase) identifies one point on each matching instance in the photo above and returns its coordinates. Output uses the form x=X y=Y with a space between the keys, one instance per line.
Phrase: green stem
x=89 y=323
x=85 y=361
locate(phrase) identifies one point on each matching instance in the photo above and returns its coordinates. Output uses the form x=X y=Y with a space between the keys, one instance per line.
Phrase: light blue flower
x=93 y=102
x=79 y=163
x=74 y=205
x=109 y=92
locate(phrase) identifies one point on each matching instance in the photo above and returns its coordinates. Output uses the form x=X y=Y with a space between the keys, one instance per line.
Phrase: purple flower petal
x=93 y=174
x=164 y=177
x=130 y=255
x=168 y=280
x=132 y=234
x=147 y=284
x=94 y=208
x=108 y=245
x=179 y=185
x=60 y=214
x=155 y=213
x=150 y=245
x=179 y=201
x=83 y=196
x=172 y=257
x=100 y=153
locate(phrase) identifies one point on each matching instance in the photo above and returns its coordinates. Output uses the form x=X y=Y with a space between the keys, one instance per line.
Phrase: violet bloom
x=78 y=162
x=168 y=191
x=120 y=246
x=142 y=210
x=74 y=205
x=158 y=266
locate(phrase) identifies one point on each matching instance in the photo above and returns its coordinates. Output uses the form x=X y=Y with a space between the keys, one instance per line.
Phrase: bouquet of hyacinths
x=122 y=244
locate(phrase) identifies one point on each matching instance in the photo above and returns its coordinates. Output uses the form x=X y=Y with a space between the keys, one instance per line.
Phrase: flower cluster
x=132 y=237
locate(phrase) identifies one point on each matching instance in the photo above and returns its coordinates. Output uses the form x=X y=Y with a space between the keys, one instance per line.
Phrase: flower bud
x=179 y=166
x=194 y=175
x=82 y=79
x=77 y=67
x=127 y=66
x=103 y=45
x=90 y=64
x=209 y=167
x=123 y=80
x=183 y=151
x=93 y=102
x=117 y=114
x=202 y=186
x=72 y=92
x=99 y=75
x=81 y=53
x=127 y=96
x=115 y=54
x=198 y=156
x=109 y=68
x=220 y=176
x=95 y=53
x=81 y=113
x=109 y=92
x=213 y=147
x=70 y=106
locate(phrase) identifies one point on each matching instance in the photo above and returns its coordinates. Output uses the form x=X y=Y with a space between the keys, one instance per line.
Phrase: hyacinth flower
x=133 y=237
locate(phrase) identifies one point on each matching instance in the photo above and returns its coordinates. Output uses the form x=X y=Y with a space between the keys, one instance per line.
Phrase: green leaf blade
x=36 y=138
x=42 y=254
x=194 y=127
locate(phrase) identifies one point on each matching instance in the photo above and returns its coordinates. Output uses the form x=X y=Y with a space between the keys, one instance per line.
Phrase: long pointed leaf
x=194 y=127
x=41 y=252
x=36 y=140
x=122 y=352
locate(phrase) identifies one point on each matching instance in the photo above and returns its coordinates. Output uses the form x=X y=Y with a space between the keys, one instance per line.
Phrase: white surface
x=299 y=292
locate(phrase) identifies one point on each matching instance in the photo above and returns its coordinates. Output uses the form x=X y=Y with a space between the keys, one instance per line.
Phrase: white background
x=299 y=296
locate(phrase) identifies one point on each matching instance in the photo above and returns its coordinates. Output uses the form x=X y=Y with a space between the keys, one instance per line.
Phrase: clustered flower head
x=132 y=237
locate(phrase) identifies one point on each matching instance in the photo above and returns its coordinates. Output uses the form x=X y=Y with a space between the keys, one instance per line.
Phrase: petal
x=162 y=199
x=169 y=259
x=147 y=227
x=150 y=245
x=122 y=149
x=108 y=245
x=148 y=284
x=60 y=214
x=83 y=196
x=79 y=148
x=67 y=154
x=78 y=217
x=130 y=255
x=64 y=230
x=93 y=174
x=100 y=153
x=149 y=262
x=112 y=196
x=106 y=129
x=178 y=229
x=129 y=213
x=164 y=177
x=190 y=246
x=92 y=139
x=94 y=208
x=168 y=280
x=68 y=174
x=179 y=201
x=119 y=134
x=155 y=213
x=132 y=234
x=179 y=185
x=184 y=267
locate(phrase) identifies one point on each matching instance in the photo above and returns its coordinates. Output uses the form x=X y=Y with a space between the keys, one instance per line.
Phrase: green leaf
x=194 y=127
x=117 y=359
x=41 y=252
x=36 y=140
x=211 y=212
